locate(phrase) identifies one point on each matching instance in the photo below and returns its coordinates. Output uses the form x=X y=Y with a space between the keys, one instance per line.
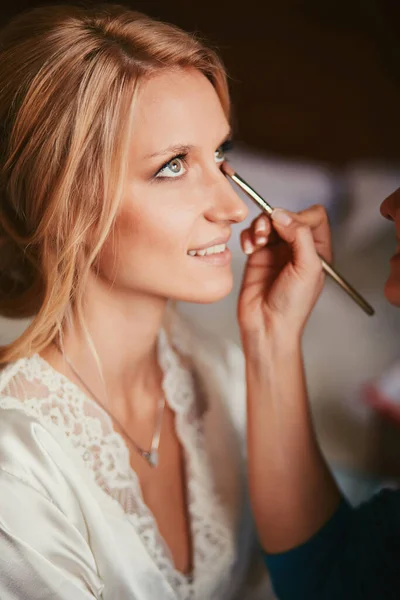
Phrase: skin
x=144 y=263
x=292 y=490
x=390 y=209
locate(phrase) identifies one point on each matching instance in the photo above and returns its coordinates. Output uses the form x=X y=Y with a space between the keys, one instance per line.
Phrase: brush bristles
x=227 y=169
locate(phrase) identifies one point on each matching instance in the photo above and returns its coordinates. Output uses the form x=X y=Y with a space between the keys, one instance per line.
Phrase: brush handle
x=267 y=208
x=347 y=288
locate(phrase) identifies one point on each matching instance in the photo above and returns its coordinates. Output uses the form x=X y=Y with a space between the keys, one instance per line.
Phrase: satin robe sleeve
x=44 y=552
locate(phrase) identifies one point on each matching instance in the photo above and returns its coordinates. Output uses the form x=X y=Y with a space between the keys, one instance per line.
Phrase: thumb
x=298 y=236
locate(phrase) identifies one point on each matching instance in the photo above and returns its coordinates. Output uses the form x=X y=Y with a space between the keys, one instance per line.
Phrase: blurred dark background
x=314 y=79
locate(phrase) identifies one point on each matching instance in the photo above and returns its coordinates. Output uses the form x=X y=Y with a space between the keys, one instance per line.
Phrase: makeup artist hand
x=283 y=277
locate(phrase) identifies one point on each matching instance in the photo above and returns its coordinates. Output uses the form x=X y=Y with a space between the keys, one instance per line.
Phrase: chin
x=392 y=291
x=213 y=291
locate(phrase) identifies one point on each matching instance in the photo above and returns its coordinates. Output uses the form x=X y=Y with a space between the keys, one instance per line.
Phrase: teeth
x=212 y=250
x=216 y=249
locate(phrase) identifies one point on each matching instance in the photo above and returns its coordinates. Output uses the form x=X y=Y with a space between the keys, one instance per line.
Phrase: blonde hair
x=68 y=77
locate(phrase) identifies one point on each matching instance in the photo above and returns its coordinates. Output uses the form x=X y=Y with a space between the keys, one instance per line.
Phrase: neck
x=123 y=328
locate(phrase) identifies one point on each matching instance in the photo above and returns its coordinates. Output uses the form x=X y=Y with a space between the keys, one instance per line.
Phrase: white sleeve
x=44 y=546
x=42 y=555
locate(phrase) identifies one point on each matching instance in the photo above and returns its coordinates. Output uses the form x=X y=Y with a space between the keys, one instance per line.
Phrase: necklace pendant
x=151 y=457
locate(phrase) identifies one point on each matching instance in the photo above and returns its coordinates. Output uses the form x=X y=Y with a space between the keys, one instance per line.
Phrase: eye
x=221 y=152
x=219 y=155
x=174 y=168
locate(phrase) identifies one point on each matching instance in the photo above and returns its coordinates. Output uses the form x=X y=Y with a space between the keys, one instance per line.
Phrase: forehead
x=178 y=106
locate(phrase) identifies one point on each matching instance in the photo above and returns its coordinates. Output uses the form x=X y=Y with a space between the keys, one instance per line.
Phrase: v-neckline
x=170 y=363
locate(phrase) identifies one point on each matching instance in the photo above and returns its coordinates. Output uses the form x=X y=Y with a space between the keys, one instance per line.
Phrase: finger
x=317 y=219
x=246 y=241
x=258 y=233
x=260 y=229
x=259 y=267
x=261 y=225
x=262 y=232
x=300 y=238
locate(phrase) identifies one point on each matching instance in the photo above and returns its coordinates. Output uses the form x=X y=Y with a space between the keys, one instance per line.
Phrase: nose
x=391 y=205
x=224 y=203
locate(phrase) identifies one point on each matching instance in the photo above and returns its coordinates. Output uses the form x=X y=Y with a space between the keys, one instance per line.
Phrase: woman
x=121 y=428
x=316 y=545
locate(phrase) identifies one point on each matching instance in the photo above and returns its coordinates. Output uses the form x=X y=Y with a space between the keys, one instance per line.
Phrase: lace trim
x=52 y=398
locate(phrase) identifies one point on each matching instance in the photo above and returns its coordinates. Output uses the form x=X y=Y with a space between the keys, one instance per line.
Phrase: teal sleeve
x=355 y=556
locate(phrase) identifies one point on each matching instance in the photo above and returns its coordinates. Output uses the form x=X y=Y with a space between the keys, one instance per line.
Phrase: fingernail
x=248 y=247
x=281 y=217
x=261 y=225
x=261 y=239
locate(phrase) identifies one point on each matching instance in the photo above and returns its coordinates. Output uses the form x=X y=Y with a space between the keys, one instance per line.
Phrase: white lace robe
x=73 y=523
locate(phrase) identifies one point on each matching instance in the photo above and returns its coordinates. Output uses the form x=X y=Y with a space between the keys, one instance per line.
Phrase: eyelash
x=225 y=147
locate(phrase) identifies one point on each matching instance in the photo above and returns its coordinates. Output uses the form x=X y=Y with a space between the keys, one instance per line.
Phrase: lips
x=216 y=242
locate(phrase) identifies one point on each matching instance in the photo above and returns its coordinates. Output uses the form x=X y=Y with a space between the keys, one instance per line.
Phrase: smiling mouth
x=216 y=249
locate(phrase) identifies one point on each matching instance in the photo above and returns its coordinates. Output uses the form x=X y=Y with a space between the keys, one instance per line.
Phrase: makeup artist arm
x=316 y=545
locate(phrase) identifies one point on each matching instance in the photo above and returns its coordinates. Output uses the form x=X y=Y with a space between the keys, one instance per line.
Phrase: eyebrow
x=183 y=148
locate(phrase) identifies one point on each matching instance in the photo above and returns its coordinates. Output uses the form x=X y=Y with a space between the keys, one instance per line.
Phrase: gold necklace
x=151 y=456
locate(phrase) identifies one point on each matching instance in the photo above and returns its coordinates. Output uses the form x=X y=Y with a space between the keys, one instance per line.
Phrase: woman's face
x=176 y=199
x=390 y=209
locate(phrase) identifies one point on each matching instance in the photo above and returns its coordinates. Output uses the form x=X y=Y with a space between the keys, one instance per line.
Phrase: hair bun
x=20 y=280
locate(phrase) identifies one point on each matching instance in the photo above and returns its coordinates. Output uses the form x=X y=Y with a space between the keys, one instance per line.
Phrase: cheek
x=141 y=235
x=153 y=230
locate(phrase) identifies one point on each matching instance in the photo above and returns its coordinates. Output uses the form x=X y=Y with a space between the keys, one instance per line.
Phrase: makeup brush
x=267 y=208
